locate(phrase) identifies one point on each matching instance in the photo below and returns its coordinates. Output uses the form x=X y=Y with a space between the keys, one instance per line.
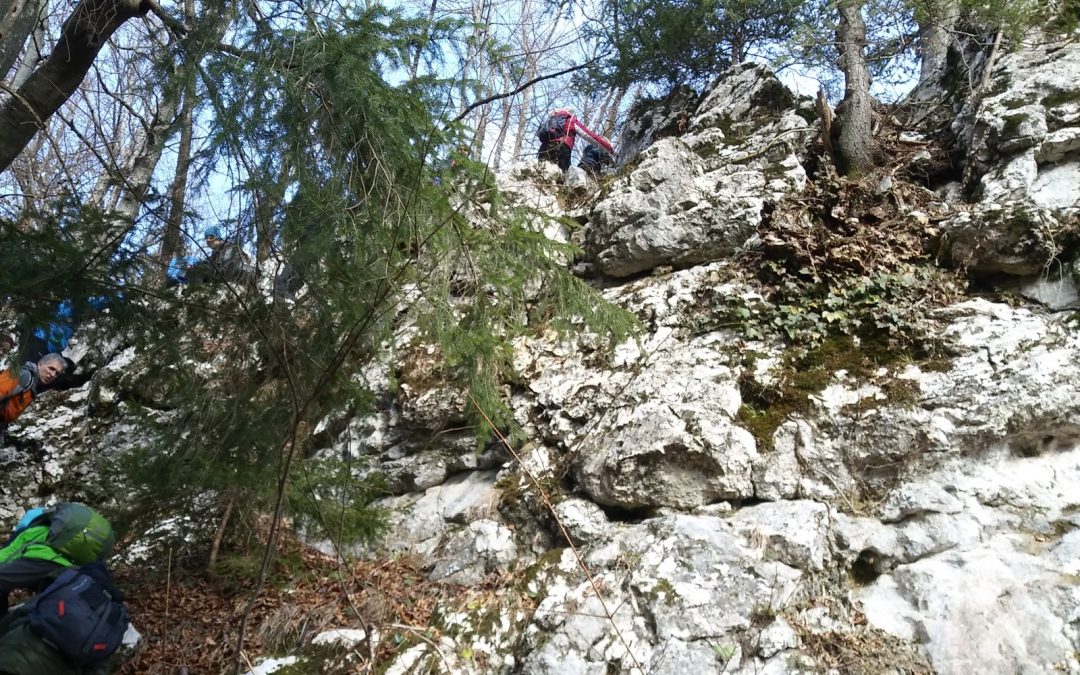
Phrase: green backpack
x=78 y=532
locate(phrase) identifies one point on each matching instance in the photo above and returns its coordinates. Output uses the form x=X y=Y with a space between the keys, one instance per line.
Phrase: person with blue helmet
x=226 y=262
x=29 y=517
x=33 y=560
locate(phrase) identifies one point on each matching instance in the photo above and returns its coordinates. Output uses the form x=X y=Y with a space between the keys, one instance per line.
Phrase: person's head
x=213 y=236
x=50 y=367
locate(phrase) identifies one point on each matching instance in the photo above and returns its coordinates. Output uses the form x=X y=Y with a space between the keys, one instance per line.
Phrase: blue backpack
x=80 y=614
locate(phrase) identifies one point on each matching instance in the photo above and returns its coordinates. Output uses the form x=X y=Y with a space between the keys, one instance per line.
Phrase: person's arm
x=576 y=125
x=33 y=574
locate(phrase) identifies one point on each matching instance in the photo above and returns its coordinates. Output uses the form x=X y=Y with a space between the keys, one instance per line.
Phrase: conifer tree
x=380 y=230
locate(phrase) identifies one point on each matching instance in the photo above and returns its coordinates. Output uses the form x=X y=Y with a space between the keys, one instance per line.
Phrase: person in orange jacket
x=19 y=387
x=557 y=135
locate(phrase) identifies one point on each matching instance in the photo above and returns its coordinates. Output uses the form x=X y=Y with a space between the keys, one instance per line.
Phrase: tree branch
x=495 y=97
x=177 y=27
x=90 y=25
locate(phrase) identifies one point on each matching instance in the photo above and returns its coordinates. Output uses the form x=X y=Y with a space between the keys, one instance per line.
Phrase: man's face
x=47 y=372
x=212 y=241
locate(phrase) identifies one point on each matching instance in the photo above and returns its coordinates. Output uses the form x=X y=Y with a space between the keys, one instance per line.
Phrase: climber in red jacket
x=557 y=135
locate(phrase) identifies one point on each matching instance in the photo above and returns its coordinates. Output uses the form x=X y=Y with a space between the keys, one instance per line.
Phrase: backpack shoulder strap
x=9 y=378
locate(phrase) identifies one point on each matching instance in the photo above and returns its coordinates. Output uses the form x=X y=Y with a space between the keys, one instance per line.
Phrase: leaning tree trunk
x=854 y=144
x=91 y=23
x=612 y=116
x=423 y=40
x=267 y=201
x=936 y=33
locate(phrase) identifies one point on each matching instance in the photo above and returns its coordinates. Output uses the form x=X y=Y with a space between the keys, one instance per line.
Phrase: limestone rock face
x=1022 y=163
x=920 y=517
x=699 y=197
x=674 y=586
x=1028 y=128
x=651 y=120
x=1016 y=238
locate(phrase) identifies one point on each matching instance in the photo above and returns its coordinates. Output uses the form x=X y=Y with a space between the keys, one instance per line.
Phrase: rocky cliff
x=750 y=485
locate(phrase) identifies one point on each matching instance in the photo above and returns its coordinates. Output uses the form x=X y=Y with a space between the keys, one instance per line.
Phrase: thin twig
x=417 y=633
x=168 y=588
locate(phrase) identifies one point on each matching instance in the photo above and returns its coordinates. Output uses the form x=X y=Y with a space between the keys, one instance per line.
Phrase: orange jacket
x=11 y=403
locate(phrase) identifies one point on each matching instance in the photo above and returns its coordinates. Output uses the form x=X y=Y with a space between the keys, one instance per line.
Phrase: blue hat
x=29 y=518
x=212 y=231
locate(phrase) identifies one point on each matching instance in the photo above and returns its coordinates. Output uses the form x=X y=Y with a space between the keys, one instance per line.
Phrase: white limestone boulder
x=698 y=198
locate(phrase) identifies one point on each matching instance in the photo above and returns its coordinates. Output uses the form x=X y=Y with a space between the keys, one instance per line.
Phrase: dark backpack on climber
x=81 y=614
x=78 y=532
x=554 y=127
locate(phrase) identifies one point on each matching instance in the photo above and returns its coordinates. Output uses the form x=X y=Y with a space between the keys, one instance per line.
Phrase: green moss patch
x=807 y=373
x=1060 y=98
x=1012 y=124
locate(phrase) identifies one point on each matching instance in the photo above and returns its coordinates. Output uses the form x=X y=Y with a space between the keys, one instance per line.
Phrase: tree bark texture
x=612 y=116
x=17 y=21
x=34 y=52
x=420 y=47
x=170 y=241
x=500 y=142
x=935 y=35
x=854 y=144
x=90 y=25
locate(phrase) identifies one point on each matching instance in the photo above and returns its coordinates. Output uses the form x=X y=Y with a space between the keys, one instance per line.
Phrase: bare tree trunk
x=136 y=179
x=267 y=200
x=420 y=47
x=613 y=113
x=523 y=112
x=504 y=123
x=826 y=117
x=602 y=113
x=170 y=241
x=91 y=23
x=533 y=45
x=936 y=33
x=855 y=142
x=478 y=135
x=738 y=49
x=483 y=68
x=33 y=52
x=17 y=21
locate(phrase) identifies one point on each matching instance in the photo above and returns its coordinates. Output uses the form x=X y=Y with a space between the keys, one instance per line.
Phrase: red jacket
x=573 y=126
x=12 y=400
